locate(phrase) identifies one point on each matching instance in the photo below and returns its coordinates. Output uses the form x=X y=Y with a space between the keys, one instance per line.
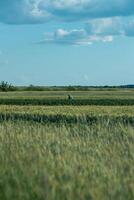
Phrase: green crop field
x=93 y=94
x=53 y=149
x=67 y=113
x=66 y=162
x=93 y=97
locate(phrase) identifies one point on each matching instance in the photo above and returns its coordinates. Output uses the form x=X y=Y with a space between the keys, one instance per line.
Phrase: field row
x=69 y=110
x=93 y=94
x=56 y=102
x=69 y=114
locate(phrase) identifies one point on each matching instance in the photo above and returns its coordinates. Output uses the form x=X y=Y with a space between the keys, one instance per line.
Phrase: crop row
x=90 y=119
x=54 y=102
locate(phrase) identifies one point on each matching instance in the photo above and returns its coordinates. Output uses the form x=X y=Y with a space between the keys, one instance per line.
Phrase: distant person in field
x=70 y=97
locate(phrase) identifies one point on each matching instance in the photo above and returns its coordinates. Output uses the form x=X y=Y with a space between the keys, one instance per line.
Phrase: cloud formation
x=104 y=19
x=87 y=9
x=104 y=30
x=22 y=12
x=74 y=37
x=40 y=11
x=111 y=26
x=61 y=36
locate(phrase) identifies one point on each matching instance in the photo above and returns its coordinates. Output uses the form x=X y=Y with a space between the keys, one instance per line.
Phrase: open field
x=93 y=94
x=66 y=162
x=69 y=110
x=67 y=113
x=93 y=97
x=67 y=152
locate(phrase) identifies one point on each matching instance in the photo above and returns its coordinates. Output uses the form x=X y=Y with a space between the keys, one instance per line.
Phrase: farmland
x=67 y=113
x=93 y=94
x=72 y=150
x=52 y=98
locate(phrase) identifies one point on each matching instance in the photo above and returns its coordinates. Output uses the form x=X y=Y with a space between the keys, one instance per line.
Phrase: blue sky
x=60 y=42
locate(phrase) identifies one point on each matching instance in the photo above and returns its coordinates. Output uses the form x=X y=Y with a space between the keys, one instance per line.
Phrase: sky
x=67 y=42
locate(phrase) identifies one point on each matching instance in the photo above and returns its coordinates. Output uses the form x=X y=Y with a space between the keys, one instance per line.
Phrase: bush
x=5 y=87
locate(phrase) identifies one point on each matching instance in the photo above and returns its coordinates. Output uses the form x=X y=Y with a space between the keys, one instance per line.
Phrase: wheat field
x=66 y=152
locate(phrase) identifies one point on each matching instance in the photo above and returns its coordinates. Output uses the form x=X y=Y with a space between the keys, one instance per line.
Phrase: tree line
x=5 y=87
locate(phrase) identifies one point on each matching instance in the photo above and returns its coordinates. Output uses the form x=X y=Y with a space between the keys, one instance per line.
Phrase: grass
x=79 y=151
x=75 y=102
x=93 y=94
x=66 y=162
x=93 y=97
x=68 y=114
x=69 y=110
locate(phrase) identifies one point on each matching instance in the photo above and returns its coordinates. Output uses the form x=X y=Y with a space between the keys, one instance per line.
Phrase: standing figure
x=70 y=97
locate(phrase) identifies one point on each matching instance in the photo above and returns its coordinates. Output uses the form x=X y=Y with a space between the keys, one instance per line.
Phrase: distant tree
x=5 y=87
x=35 y=88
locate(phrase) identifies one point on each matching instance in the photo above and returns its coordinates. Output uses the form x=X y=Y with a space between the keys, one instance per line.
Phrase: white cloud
x=22 y=12
x=111 y=27
x=40 y=11
x=105 y=19
x=61 y=36
x=97 y=30
x=105 y=26
x=74 y=37
x=87 y=9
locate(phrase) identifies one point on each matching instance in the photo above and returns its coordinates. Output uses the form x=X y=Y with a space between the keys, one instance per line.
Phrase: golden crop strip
x=69 y=110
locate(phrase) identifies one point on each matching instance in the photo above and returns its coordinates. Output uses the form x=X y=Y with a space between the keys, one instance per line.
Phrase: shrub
x=5 y=87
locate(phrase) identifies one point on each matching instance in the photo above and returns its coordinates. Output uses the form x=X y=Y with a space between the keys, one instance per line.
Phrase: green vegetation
x=5 y=87
x=8 y=87
x=93 y=94
x=66 y=162
x=94 y=97
x=66 y=149
x=69 y=114
x=56 y=102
